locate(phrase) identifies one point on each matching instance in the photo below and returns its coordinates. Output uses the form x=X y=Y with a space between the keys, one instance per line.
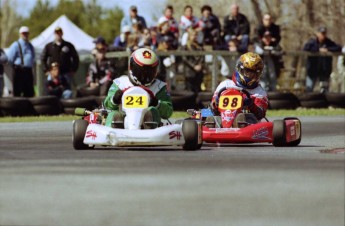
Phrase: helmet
x=143 y=67
x=249 y=70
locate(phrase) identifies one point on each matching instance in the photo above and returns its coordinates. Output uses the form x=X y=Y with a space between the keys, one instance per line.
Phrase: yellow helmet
x=249 y=70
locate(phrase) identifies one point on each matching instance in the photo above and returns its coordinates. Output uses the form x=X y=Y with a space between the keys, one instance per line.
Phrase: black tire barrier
x=99 y=100
x=336 y=99
x=283 y=104
x=203 y=99
x=84 y=102
x=88 y=91
x=313 y=100
x=15 y=106
x=183 y=100
x=46 y=105
x=281 y=96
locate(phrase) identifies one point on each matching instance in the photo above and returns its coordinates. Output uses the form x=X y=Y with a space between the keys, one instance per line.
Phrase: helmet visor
x=251 y=74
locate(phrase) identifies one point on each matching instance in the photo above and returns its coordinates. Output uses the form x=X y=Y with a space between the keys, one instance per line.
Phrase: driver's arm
x=165 y=106
x=108 y=102
x=259 y=107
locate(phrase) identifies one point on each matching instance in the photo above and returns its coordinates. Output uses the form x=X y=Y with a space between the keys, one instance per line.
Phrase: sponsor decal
x=292 y=130
x=147 y=55
x=228 y=115
x=175 y=134
x=260 y=134
x=91 y=134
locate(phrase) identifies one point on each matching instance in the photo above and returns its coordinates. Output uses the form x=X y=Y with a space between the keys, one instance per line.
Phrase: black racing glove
x=154 y=102
x=248 y=102
x=117 y=97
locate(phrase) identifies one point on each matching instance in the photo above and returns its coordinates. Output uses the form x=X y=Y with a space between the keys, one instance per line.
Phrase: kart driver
x=143 y=68
x=249 y=69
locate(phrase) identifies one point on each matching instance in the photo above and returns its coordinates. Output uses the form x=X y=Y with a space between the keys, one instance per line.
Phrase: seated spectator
x=101 y=72
x=270 y=53
x=166 y=70
x=320 y=67
x=210 y=26
x=56 y=84
x=133 y=18
x=228 y=63
x=165 y=31
x=189 y=21
x=236 y=25
x=168 y=16
x=145 y=39
x=120 y=42
x=194 y=65
x=133 y=43
x=271 y=27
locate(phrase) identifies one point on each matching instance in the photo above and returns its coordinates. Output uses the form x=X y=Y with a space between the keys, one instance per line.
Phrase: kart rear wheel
x=190 y=133
x=279 y=134
x=79 y=130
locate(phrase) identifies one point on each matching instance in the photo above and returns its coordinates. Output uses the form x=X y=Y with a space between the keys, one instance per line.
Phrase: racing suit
x=163 y=109
x=257 y=105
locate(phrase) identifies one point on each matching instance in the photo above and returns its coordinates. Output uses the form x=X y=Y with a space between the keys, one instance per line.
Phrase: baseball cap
x=99 y=39
x=24 y=29
x=162 y=20
x=54 y=64
x=322 y=29
x=58 y=29
x=125 y=29
x=133 y=8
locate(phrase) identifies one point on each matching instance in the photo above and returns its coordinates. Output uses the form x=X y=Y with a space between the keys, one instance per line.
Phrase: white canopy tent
x=82 y=42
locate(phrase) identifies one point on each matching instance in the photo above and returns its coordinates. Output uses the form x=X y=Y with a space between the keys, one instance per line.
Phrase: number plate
x=230 y=102
x=135 y=101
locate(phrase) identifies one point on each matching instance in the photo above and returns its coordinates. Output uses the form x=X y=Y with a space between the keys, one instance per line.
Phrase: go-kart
x=91 y=130
x=236 y=125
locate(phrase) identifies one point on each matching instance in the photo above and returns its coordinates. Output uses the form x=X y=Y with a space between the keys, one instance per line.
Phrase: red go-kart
x=236 y=125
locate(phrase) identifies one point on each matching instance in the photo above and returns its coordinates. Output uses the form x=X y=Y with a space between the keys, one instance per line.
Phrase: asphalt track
x=43 y=181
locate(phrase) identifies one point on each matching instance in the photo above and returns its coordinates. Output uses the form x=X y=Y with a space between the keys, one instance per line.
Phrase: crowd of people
x=60 y=59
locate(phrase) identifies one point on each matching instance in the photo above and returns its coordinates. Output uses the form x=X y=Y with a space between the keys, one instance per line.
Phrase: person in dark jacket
x=56 y=84
x=63 y=53
x=320 y=67
x=210 y=26
x=236 y=25
x=271 y=27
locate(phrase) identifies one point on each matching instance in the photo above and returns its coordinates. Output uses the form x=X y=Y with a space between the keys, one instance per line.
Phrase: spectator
x=133 y=18
x=194 y=70
x=133 y=43
x=236 y=25
x=166 y=69
x=120 y=42
x=168 y=16
x=22 y=56
x=210 y=26
x=271 y=27
x=3 y=60
x=145 y=39
x=63 y=53
x=101 y=72
x=164 y=33
x=228 y=63
x=56 y=84
x=270 y=53
x=341 y=70
x=319 y=67
x=188 y=21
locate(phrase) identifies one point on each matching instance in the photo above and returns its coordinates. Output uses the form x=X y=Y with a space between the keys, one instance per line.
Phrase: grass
x=181 y=114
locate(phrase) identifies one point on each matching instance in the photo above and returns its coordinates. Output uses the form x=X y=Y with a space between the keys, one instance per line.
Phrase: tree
x=10 y=22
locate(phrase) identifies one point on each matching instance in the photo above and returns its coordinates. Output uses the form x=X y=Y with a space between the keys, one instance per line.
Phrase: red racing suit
x=259 y=103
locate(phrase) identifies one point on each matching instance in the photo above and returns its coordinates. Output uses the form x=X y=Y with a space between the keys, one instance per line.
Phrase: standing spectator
x=270 y=53
x=194 y=70
x=210 y=26
x=56 y=84
x=228 y=63
x=189 y=21
x=120 y=42
x=22 y=56
x=319 y=67
x=133 y=18
x=3 y=60
x=165 y=31
x=236 y=25
x=341 y=70
x=63 y=53
x=168 y=16
x=271 y=27
x=102 y=71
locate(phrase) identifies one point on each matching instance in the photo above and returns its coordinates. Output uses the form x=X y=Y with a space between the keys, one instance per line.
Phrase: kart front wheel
x=79 y=130
x=191 y=136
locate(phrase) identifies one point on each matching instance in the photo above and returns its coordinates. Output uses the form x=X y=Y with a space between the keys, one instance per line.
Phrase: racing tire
x=15 y=106
x=314 y=104
x=190 y=133
x=88 y=91
x=79 y=130
x=281 y=96
x=279 y=134
x=203 y=99
x=283 y=104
